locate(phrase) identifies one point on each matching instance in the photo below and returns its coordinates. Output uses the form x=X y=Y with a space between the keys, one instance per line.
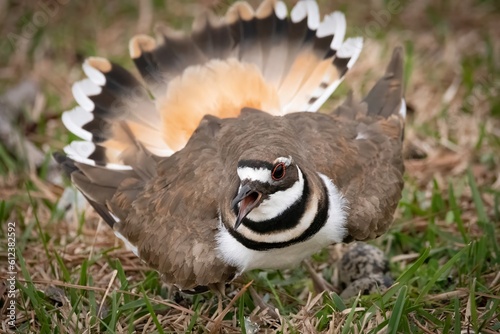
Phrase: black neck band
x=318 y=222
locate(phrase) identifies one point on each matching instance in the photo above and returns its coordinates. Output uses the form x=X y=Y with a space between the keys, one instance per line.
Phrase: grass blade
x=114 y=310
x=457 y=214
x=457 y=327
x=152 y=313
x=348 y=322
x=338 y=302
x=476 y=197
x=409 y=273
x=241 y=314
x=472 y=307
x=32 y=293
x=397 y=312
x=440 y=272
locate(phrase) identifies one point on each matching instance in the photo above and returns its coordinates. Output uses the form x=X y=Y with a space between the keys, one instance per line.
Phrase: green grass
x=444 y=244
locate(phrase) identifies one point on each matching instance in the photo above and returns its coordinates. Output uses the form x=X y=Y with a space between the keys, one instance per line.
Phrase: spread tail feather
x=264 y=58
x=115 y=114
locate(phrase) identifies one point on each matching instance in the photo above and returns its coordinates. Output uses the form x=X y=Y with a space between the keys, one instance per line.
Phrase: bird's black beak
x=248 y=199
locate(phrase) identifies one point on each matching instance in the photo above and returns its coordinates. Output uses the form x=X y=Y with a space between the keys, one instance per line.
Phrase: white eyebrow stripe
x=254 y=174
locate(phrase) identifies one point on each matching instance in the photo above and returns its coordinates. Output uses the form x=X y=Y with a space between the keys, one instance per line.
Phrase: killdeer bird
x=220 y=164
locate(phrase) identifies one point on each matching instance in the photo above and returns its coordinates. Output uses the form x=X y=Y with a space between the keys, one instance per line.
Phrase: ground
x=74 y=276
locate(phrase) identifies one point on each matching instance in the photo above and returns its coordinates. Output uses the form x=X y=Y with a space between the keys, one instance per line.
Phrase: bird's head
x=267 y=189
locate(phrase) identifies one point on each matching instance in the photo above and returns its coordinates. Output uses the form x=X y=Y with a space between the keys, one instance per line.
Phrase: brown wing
x=359 y=147
x=170 y=213
x=175 y=219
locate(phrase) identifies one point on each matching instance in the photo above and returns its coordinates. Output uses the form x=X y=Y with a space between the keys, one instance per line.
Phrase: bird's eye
x=278 y=171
